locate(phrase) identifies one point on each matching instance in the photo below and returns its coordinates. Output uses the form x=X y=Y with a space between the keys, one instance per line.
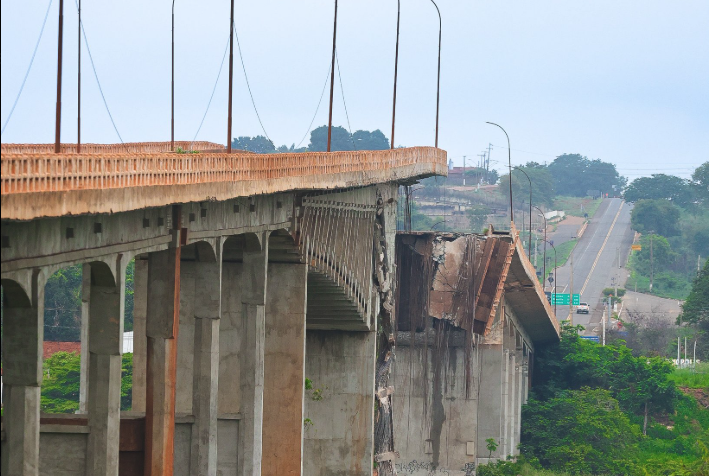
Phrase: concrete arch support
x=106 y=297
x=22 y=375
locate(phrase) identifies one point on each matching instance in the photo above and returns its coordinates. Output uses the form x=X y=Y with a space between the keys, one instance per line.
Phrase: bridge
x=252 y=272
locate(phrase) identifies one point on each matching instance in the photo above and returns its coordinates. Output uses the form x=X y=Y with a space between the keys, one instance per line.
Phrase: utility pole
x=571 y=294
x=78 y=90
x=651 y=264
x=463 y=170
x=231 y=77
x=603 y=323
x=58 y=119
x=332 y=85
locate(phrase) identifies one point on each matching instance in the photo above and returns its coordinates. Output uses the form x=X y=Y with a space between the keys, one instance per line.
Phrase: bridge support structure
x=227 y=328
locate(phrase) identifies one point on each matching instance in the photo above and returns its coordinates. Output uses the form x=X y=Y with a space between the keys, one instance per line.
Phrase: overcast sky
x=624 y=81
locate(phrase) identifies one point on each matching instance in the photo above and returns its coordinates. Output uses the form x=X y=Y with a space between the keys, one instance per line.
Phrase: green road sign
x=563 y=299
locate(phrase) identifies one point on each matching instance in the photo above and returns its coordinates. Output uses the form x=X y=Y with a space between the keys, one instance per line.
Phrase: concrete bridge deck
x=109 y=182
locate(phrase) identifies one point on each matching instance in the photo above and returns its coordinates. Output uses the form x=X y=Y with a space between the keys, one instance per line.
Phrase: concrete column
x=284 y=370
x=505 y=402
x=162 y=324
x=513 y=405
x=490 y=403
x=251 y=358
x=84 y=358
x=207 y=314
x=106 y=306
x=23 y=334
x=140 y=340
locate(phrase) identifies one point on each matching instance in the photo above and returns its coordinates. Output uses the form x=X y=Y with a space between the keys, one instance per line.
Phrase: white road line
x=610 y=230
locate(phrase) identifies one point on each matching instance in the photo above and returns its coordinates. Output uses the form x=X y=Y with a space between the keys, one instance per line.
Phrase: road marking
x=610 y=230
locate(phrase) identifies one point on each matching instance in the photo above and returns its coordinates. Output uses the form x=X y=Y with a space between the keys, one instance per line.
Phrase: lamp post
x=509 y=161
x=530 y=207
x=438 y=84
x=396 y=68
x=554 y=290
x=544 y=272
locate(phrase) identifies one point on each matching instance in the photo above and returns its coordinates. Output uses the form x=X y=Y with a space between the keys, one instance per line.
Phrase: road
x=597 y=261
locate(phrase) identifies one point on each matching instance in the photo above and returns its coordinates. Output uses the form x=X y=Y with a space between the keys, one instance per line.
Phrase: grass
x=572 y=205
x=563 y=251
x=666 y=284
x=692 y=378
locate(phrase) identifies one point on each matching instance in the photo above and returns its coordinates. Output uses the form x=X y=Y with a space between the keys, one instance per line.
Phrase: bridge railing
x=42 y=172
x=125 y=148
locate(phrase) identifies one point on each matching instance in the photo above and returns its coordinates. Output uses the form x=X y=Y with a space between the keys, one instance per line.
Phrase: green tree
x=477 y=215
x=61 y=382
x=542 y=185
x=258 y=144
x=341 y=139
x=575 y=174
x=660 y=257
x=655 y=216
x=700 y=182
x=580 y=432
x=128 y=312
x=695 y=309
x=62 y=305
x=375 y=140
x=660 y=186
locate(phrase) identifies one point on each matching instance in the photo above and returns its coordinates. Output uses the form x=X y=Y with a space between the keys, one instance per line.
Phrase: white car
x=583 y=308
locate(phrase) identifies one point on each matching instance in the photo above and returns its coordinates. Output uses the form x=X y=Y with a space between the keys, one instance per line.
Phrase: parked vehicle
x=583 y=308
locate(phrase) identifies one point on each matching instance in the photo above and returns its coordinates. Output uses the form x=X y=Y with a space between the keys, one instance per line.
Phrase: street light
x=544 y=272
x=438 y=84
x=530 y=207
x=509 y=160
x=554 y=290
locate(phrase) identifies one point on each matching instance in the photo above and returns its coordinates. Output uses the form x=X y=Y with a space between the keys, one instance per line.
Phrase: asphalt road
x=596 y=265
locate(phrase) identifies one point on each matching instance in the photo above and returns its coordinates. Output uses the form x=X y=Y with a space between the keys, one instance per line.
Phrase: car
x=583 y=308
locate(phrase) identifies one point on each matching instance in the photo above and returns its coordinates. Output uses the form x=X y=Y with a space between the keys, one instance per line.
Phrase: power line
x=317 y=108
x=342 y=90
x=34 y=53
x=93 y=67
x=221 y=66
x=249 y=86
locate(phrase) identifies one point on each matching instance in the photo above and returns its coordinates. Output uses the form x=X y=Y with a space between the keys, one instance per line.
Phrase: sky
x=622 y=81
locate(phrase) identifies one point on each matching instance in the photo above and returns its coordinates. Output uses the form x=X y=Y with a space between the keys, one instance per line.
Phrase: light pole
x=396 y=68
x=554 y=289
x=544 y=272
x=530 y=208
x=509 y=161
x=438 y=84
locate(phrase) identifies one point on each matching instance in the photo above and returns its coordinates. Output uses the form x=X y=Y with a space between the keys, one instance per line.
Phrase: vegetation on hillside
x=673 y=213
x=601 y=410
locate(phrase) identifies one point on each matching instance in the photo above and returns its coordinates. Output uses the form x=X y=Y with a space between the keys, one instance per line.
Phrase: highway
x=598 y=261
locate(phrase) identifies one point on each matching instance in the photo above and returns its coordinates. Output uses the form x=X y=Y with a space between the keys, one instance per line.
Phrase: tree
x=696 y=308
x=655 y=216
x=477 y=215
x=61 y=382
x=258 y=144
x=62 y=305
x=575 y=174
x=657 y=255
x=579 y=431
x=341 y=139
x=542 y=185
x=375 y=140
x=660 y=186
x=700 y=182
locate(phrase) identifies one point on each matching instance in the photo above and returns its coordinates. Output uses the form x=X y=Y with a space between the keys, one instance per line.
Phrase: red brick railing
x=42 y=172
x=128 y=147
